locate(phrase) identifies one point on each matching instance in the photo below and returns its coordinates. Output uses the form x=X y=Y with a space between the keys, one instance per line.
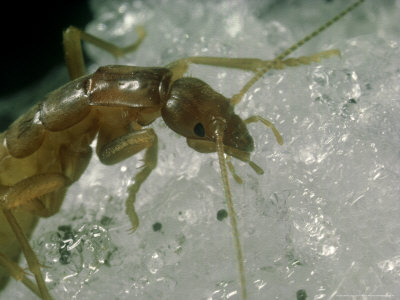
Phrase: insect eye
x=199 y=130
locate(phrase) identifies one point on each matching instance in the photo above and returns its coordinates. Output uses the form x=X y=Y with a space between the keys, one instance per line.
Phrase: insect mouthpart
x=237 y=136
x=205 y=146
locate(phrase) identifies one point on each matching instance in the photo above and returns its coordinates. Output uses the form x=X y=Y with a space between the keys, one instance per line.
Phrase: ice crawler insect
x=48 y=148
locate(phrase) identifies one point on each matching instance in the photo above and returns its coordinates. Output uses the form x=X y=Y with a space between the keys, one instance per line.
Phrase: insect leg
x=150 y=162
x=33 y=263
x=306 y=60
x=261 y=67
x=49 y=189
x=126 y=146
x=74 y=163
x=38 y=195
x=179 y=67
x=267 y=123
x=29 y=194
x=18 y=273
x=249 y=64
x=73 y=50
x=231 y=169
x=237 y=97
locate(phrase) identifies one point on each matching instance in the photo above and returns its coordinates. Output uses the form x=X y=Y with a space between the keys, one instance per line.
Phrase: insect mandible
x=48 y=148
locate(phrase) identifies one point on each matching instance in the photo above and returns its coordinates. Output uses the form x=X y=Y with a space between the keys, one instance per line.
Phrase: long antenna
x=219 y=131
x=237 y=97
x=231 y=210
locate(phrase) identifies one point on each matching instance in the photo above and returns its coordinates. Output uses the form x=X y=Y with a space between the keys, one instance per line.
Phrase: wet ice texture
x=324 y=216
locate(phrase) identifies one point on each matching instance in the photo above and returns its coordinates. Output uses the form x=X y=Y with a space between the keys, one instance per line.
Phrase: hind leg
x=29 y=195
x=73 y=51
x=18 y=273
x=22 y=203
x=33 y=263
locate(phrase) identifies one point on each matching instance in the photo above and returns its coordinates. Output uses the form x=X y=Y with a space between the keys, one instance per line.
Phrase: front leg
x=124 y=147
x=258 y=66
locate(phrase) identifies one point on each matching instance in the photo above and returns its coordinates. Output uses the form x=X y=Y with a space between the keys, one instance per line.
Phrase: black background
x=32 y=39
x=31 y=46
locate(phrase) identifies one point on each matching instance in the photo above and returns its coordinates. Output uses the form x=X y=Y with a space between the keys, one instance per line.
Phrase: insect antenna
x=237 y=97
x=219 y=132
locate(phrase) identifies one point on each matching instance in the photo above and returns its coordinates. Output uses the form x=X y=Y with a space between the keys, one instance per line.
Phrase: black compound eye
x=199 y=130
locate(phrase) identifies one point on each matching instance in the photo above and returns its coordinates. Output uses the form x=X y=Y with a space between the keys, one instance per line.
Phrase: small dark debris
x=65 y=256
x=301 y=295
x=352 y=100
x=109 y=256
x=157 y=226
x=105 y=221
x=221 y=214
x=65 y=228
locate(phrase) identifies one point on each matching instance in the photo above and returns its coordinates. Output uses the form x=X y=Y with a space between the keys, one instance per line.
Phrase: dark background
x=31 y=44
x=32 y=38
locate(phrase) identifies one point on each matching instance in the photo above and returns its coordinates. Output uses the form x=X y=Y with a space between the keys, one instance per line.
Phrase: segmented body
x=55 y=135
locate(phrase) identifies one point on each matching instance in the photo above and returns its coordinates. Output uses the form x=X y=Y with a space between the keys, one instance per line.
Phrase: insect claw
x=141 y=166
x=231 y=168
x=256 y=168
x=237 y=178
x=25 y=271
x=131 y=230
x=45 y=266
x=140 y=31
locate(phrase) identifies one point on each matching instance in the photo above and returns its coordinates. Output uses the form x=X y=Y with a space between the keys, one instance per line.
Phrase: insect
x=48 y=148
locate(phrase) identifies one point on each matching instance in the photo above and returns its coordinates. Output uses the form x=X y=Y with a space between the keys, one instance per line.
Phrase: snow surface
x=323 y=219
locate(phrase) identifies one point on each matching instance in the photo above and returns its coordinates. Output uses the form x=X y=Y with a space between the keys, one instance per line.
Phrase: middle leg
x=125 y=146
